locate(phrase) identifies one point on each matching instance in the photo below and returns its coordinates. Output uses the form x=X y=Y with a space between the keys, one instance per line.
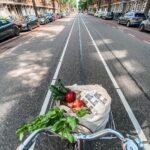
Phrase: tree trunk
x=35 y=8
x=99 y=4
x=109 y=5
x=123 y=7
x=146 y=10
x=59 y=5
x=53 y=3
x=87 y=5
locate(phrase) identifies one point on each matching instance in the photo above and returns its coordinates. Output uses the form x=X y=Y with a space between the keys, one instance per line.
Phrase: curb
x=12 y=39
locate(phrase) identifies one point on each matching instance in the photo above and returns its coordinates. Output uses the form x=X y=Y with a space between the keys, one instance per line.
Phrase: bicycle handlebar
x=98 y=135
x=127 y=143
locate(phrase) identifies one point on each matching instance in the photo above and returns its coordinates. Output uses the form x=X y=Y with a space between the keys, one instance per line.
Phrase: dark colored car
x=58 y=15
x=145 y=25
x=132 y=19
x=49 y=16
x=116 y=15
x=107 y=15
x=8 y=29
x=28 y=23
x=43 y=19
x=54 y=16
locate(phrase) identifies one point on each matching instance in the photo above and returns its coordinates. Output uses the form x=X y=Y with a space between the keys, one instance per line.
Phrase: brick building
x=123 y=5
x=25 y=7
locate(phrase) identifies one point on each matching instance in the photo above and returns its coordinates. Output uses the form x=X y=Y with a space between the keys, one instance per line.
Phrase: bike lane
x=81 y=61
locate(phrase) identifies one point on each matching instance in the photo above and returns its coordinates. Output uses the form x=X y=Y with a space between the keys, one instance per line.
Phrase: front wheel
x=29 y=28
x=38 y=24
x=128 y=24
x=16 y=32
x=141 y=28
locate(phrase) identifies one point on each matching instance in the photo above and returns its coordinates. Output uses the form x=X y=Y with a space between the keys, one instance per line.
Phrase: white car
x=145 y=25
x=96 y=14
x=100 y=14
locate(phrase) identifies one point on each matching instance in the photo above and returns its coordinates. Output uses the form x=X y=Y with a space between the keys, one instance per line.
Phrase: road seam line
x=121 y=95
x=48 y=95
x=131 y=35
x=82 y=74
x=147 y=42
x=121 y=30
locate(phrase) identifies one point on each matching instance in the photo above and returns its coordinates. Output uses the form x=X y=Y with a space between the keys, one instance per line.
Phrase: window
x=3 y=22
x=31 y=18
x=126 y=15
x=139 y=15
x=130 y=14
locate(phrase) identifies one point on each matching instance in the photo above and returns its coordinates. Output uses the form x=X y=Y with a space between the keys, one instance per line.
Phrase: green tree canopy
x=82 y=4
x=70 y=3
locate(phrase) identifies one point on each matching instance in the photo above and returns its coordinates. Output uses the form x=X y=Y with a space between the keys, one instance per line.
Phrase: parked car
x=96 y=14
x=54 y=17
x=107 y=15
x=49 y=16
x=145 y=25
x=43 y=19
x=132 y=18
x=27 y=23
x=62 y=14
x=91 y=13
x=116 y=15
x=100 y=14
x=8 y=29
x=58 y=15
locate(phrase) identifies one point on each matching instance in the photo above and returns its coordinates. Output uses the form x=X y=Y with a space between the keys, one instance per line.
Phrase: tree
x=53 y=3
x=99 y=4
x=35 y=8
x=147 y=8
x=83 y=4
x=109 y=5
x=65 y=3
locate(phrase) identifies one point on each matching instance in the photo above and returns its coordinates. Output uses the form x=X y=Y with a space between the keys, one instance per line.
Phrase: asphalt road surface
x=78 y=49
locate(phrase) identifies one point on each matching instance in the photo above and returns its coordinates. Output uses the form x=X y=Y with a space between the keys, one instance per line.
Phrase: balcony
x=15 y=1
x=39 y=3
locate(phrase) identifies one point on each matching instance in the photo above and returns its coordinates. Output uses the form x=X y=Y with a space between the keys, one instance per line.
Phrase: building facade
x=123 y=5
x=25 y=7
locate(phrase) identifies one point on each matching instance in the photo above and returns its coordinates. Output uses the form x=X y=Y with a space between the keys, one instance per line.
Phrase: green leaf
x=21 y=135
x=82 y=112
x=69 y=136
x=59 y=125
x=54 y=119
x=72 y=122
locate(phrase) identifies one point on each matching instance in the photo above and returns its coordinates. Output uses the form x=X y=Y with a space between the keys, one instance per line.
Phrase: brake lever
x=133 y=143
